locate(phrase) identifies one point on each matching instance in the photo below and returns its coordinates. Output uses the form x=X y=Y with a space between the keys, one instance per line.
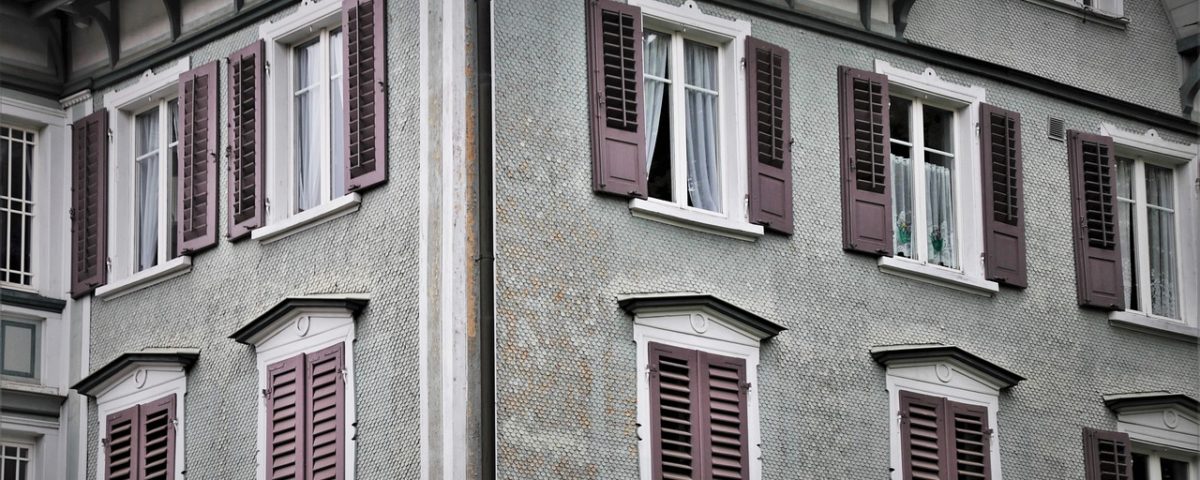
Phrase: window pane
x=1173 y=469
x=18 y=349
x=1141 y=466
x=1125 y=207
x=902 y=200
x=703 y=172
x=146 y=188
x=307 y=137
x=939 y=208
x=656 y=55
x=146 y=136
x=1164 y=288
x=899 y=118
x=337 y=127
x=173 y=168
x=938 y=128
x=16 y=204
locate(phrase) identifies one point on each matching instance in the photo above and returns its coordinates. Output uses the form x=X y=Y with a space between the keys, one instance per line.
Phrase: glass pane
x=173 y=115
x=1160 y=188
x=902 y=200
x=173 y=169
x=10 y=469
x=18 y=349
x=146 y=136
x=703 y=172
x=938 y=126
x=939 y=206
x=1125 y=178
x=6 y=147
x=900 y=119
x=146 y=188
x=306 y=135
x=1128 y=253
x=1164 y=288
x=337 y=127
x=1141 y=466
x=1173 y=469
x=656 y=60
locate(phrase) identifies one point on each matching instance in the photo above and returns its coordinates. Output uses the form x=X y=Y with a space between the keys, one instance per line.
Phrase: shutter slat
x=1097 y=246
x=364 y=91
x=196 y=205
x=866 y=160
x=1003 y=196
x=246 y=202
x=325 y=413
x=673 y=429
x=769 y=136
x=618 y=137
x=284 y=409
x=89 y=203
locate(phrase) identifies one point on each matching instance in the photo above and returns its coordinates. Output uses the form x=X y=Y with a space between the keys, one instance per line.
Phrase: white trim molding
x=1158 y=419
x=146 y=278
x=338 y=207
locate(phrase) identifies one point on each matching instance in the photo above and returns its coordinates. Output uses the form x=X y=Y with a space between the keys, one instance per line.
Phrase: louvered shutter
x=674 y=415
x=614 y=32
x=247 y=149
x=723 y=388
x=1106 y=455
x=866 y=162
x=970 y=441
x=325 y=419
x=285 y=419
x=89 y=203
x=196 y=215
x=1003 y=196
x=769 y=137
x=365 y=93
x=157 y=445
x=1093 y=207
x=922 y=437
x=122 y=445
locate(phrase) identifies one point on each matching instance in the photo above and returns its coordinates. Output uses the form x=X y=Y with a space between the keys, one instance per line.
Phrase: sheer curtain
x=1125 y=202
x=902 y=207
x=703 y=177
x=1160 y=219
x=337 y=126
x=939 y=202
x=146 y=140
x=657 y=52
x=307 y=138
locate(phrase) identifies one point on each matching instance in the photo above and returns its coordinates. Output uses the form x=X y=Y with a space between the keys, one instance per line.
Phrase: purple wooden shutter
x=285 y=419
x=196 y=217
x=922 y=436
x=325 y=417
x=157 y=449
x=1106 y=455
x=121 y=445
x=614 y=32
x=365 y=87
x=769 y=137
x=1003 y=196
x=970 y=452
x=1097 y=244
x=247 y=148
x=725 y=448
x=89 y=203
x=866 y=162
x=674 y=414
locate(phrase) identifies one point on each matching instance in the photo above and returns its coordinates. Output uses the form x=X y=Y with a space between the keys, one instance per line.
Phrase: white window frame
x=49 y=445
x=1155 y=455
x=728 y=36
x=51 y=167
x=151 y=89
x=947 y=379
x=51 y=368
x=139 y=384
x=30 y=458
x=695 y=330
x=280 y=36
x=927 y=87
x=1162 y=430
x=1111 y=8
x=1149 y=147
x=301 y=331
x=28 y=222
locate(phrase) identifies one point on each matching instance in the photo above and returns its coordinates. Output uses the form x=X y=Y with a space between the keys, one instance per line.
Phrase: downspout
x=486 y=242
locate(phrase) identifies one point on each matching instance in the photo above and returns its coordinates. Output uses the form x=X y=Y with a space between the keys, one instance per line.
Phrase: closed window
x=20 y=343
x=306 y=415
x=924 y=189
x=155 y=142
x=16 y=204
x=1156 y=464
x=943 y=439
x=1149 y=253
x=139 y=441
x=318 y=146
x=1111 y=8
x=15 y=461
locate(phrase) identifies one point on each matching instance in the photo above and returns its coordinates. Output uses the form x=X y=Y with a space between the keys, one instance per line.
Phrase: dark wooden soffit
x=1120 y=402
x=1189 y=49
x=249 y=333
x=90 y=384
x=966 y=64
x=644 y=302
x=890 y=354
x=899 y=12
x=31 y=301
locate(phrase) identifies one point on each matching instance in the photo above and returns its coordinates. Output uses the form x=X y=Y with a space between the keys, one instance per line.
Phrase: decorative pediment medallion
x=699 y=314
x=944 y=364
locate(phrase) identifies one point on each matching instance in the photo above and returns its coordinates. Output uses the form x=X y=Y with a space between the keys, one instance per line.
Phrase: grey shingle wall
x=373 y=251
x=566 y=388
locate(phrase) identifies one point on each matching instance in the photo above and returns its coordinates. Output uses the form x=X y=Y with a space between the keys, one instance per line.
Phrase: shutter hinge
x=344 y=374
x=108 y=264
x=382 y=87
x=267 y=68
x=746 y=386
x=267 y=204
x=743 y=62
x=104 y=442
x=71 y=214
x=266 y=393
x=110 y=135
x=1198 y=183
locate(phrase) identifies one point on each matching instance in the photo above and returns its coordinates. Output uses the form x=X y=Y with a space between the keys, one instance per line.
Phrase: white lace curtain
x=939 y=212
x=1160 y=220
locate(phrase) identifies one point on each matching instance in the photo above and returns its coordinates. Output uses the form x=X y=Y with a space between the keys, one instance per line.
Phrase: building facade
x=650 y=239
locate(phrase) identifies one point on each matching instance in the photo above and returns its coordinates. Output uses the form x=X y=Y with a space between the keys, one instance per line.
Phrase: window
x=1160 y=431
x=924 y=196
x=1149 y=257
x=1112 y=8
x=316 y=116
x=697 y=396
x=20 y=343
x=139 y=441
x=16 y=204
x=15 y=461
x=941 y=438
x=1153 y=464
x=155 y=141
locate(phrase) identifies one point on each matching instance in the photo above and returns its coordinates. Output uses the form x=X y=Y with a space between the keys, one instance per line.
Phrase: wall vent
x=1056 y=129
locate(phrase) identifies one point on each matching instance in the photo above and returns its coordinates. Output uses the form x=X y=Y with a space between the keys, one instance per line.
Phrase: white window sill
x=1091 y=14
x=28 y=385
x=1154 y=325
x=937 y=276
x=692 y=219
x=146 y=278
x=344 y=205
